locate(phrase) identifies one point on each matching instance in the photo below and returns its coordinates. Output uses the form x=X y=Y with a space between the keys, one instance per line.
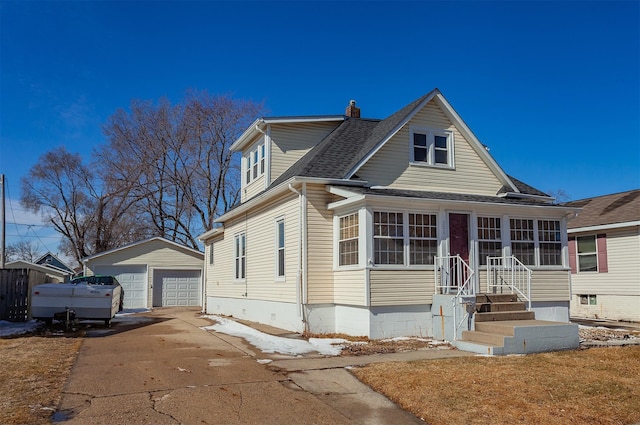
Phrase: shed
x=154 y=272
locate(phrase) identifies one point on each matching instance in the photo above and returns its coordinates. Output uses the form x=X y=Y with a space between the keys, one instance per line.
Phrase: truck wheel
x=107 y=322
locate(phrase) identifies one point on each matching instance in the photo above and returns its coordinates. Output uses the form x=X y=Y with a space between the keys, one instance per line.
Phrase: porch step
x=492 y=339
x=500 y=306
x=496 y=298
x=519 y=337
x=504 y=315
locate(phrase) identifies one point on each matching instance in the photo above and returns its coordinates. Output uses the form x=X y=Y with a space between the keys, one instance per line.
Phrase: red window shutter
x=572 y=254
x=601 y=242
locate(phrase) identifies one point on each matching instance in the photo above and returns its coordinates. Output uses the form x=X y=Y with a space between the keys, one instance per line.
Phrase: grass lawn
x=594 y=386
x=35 y=370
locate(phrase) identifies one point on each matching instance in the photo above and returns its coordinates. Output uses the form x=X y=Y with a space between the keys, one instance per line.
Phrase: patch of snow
x=18 y=328
x=264 y=361
x=407 y=338
x=276 y=344
x=129 y=311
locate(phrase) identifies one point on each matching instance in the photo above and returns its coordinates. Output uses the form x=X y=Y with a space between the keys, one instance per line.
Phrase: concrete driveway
x=170 y=371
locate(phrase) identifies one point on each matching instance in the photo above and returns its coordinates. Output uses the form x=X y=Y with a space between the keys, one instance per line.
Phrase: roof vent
x=352 y=110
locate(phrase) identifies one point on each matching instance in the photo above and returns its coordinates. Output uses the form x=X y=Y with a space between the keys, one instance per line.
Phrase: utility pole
x=3 y=220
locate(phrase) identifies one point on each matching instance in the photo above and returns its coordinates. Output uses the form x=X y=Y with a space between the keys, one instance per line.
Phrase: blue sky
x=552 y=88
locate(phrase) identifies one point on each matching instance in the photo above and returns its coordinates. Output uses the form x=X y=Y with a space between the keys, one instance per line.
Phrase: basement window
x=588 y=300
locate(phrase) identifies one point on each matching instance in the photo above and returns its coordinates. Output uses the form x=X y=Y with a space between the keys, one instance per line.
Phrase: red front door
x=458 y=245
x=459 y=235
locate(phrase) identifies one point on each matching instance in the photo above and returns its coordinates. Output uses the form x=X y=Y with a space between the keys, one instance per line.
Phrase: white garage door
x=133 y=280
x=173 y=288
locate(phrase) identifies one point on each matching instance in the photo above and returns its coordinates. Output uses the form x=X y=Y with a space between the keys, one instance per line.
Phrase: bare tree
x=23 y=250
x=177 y=160
x=91 y=217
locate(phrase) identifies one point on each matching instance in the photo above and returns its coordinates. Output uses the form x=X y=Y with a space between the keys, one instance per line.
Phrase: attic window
x=431 y=147
x=254 y=162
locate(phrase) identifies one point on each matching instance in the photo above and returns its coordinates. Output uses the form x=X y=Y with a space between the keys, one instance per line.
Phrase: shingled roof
x=608 y=209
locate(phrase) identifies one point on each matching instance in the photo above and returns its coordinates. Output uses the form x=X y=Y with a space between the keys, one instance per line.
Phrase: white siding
x=320 y=246
x=289 y=142
x=618 y=290
x=253 y=188
x=390 y=166
x=401 y=287
x=260 y=230
x=350 y=287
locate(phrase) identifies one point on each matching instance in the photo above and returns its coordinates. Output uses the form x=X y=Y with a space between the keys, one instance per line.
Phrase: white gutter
x=604 y=227
x=280 y=189
x=526 y=196
x=301 y=277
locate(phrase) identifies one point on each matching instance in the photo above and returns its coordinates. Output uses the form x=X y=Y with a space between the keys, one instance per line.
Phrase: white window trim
x=406 y=239
x=250 y=162
x=237 y=256
x=595 y=240
x=336 y=228
x=277 y=276
x=431 y=133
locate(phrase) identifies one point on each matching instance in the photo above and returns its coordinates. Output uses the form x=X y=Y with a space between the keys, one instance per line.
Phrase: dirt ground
x=36 y=368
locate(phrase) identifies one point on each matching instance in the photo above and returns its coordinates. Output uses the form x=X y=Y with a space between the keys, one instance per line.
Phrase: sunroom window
x=388 y=238
x=550 y=242
x=489 y=238
x=423 y=238
x=348 y=240
x=522 y=241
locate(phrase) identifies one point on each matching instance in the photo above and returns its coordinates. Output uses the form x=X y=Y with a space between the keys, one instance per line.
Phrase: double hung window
x=423 y=239
x=550 y=243
x=388 y=237
x=348 y=240
x=489 y=238
x=522 y=241
x=240 y=253
x=254 y=162
x=280 y=249
x=587 y=253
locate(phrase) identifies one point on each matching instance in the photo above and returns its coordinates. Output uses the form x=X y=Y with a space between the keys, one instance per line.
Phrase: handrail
x=452 y=273
x=509 y=273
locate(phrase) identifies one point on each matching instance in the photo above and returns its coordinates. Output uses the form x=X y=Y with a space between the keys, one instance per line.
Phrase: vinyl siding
x=350 y=287
x=401 y=287
x=546 y=285
x=253 y=188
x=289 y=142
x=260 y=229
x=320 y=246
x=390 y=165
x=623 y=258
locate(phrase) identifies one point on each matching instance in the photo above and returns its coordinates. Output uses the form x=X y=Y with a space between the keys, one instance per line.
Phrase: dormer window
x=431 y=147
x=254 y=162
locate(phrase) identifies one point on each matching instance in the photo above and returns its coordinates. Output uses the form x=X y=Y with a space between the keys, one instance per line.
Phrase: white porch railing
x=509 y=275
x=455 y=277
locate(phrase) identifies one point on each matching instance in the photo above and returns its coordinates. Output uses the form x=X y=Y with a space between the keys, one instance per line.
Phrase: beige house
x=604 y=254
x=153 y=273
x=356 y=225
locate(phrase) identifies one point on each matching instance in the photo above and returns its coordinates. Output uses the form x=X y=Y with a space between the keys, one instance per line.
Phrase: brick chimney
x=352 y=110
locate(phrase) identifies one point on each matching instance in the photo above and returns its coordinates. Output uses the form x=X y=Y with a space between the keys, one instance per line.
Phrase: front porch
x=499 y=320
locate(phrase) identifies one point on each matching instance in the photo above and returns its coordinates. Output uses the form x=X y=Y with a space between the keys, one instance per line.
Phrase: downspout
x=300 y=274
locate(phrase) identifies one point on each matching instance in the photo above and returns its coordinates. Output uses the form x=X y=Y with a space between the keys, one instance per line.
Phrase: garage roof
x=135 y=244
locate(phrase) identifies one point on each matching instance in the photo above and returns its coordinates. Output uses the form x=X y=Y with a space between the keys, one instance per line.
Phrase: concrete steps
x=502 y=325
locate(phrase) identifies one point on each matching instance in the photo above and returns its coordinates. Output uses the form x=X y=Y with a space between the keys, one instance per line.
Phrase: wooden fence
x=15 y=293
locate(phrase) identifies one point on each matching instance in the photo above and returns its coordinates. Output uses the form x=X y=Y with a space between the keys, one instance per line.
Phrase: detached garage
x=153 y=273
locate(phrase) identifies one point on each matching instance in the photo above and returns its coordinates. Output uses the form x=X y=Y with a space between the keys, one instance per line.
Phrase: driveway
x=170 y=371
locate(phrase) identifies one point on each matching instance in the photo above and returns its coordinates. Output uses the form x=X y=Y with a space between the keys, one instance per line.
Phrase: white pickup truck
x=88 y=297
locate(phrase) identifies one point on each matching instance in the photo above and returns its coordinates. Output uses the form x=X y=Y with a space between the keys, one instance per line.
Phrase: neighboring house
x=53 y=274
x=153 y=273
x=347 y=224
x=604 y=254
x=50 y=260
